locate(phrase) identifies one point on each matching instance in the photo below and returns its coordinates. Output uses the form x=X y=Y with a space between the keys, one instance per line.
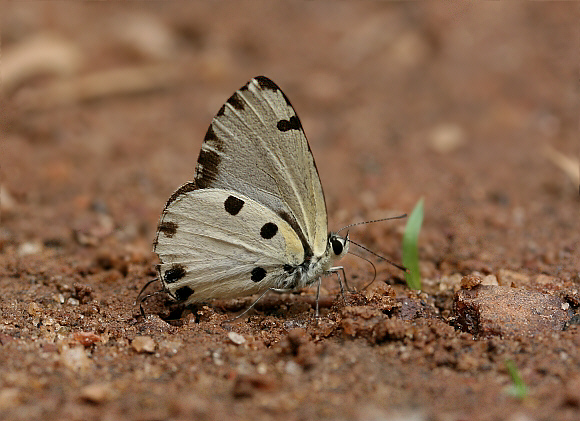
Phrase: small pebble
x=97 y=392
x=143 y=344
x=33 y=309
x=236 y=338
x=27 y=249
x=72 y=301
x=86 y=338
x=470 y=281
x=446 y=138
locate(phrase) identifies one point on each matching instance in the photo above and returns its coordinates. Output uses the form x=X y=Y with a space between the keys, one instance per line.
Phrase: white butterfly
x=254 y=218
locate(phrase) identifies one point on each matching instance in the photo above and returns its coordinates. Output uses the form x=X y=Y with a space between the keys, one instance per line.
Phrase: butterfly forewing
x=255 y=145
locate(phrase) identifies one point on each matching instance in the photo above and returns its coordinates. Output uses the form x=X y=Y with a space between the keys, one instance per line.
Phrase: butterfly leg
x=282 y=290
x=336 y=270
x=318 y=296
x=344 y=277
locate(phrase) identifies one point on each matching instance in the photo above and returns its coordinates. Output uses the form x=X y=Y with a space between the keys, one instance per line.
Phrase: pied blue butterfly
x=254 y=219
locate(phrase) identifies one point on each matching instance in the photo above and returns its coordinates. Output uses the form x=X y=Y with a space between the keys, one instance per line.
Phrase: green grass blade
x=410 y=247
x=518 y=387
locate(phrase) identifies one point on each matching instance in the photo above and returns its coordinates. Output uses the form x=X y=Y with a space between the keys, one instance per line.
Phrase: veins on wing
x=279 y=160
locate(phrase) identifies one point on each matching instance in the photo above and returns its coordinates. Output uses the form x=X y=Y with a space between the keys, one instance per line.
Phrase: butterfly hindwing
x=217 y=243
x=255 y=146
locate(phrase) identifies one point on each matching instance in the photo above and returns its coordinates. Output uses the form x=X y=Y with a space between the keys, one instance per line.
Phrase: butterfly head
x=338 y=245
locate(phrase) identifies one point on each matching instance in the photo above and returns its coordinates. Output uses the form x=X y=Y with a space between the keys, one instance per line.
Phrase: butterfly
x=254 y=218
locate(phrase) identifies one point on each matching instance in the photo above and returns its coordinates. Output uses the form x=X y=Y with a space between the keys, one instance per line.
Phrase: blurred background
x=473 y=106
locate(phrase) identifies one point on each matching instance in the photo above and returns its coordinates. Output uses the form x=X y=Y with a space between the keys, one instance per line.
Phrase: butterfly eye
x=337 y=246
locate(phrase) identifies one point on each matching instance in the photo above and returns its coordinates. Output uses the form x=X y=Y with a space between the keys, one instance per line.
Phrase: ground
x=472 y=106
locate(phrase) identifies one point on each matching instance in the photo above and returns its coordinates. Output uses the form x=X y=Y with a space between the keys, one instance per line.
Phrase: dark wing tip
x=266 y=83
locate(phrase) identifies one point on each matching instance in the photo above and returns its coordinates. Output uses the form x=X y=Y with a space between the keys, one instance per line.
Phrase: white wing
x=214 y=243
x=255 y=146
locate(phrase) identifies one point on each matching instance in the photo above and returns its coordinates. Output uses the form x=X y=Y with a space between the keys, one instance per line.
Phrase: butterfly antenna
x=403 y=268
x=372 y=264
x=371 y=222
x=141 y=300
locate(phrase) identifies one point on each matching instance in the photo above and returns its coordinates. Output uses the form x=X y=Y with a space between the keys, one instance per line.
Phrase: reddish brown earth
x=472 y=106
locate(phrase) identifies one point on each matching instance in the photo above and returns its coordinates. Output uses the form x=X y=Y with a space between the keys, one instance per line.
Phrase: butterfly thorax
x=313 y=268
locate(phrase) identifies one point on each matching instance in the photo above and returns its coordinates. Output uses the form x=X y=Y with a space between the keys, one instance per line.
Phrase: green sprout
x=518 y=388
x=410 y=248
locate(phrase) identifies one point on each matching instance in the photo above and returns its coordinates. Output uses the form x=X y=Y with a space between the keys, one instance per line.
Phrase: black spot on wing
x=258 y=274
x=268 y=230
x=207 y=168
x=183 y=293
x=233 y=205
x=174 y=273
x=292 y=124
x=236 y=102
x=288 y=268
x=186 y=188
x=221 y=111
x=169 y=228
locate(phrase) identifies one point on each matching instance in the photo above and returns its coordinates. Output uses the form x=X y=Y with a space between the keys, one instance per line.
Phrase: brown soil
x=472 y=106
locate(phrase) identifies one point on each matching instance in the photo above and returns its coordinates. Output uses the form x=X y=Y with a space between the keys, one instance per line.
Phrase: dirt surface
x=472 y=106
